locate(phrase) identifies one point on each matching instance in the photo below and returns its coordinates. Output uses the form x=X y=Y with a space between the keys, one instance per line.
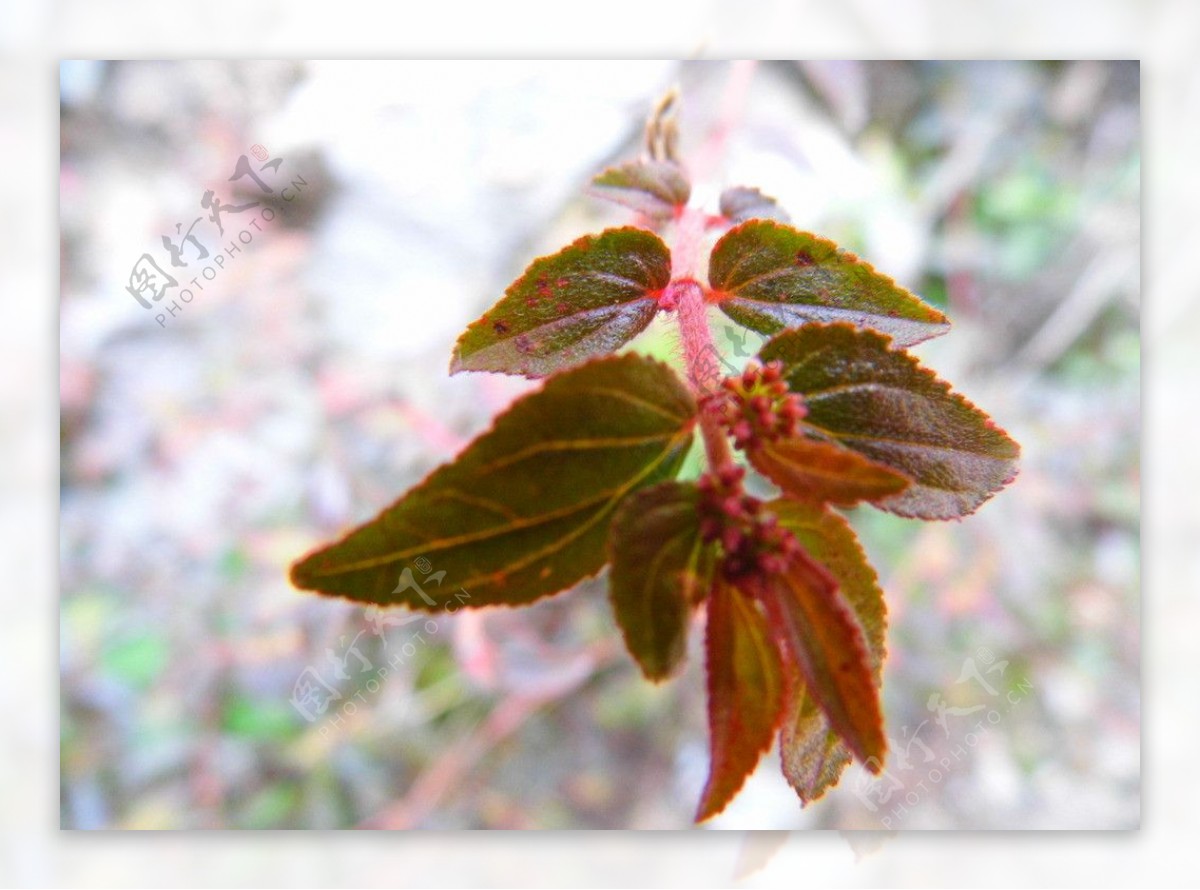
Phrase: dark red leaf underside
x=822 y=471
x=820 y=635
x=745 y=693
x=812 y=754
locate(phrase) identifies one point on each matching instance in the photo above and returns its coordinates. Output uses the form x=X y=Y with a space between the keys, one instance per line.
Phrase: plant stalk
x=699 y=351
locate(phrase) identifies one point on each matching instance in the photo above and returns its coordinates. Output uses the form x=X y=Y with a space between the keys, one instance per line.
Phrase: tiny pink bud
x=773 y=564
x=731 y=474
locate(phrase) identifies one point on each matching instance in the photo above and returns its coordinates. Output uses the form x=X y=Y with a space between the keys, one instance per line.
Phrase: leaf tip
x=718 y=794
x=708 y=808
x=299 y=573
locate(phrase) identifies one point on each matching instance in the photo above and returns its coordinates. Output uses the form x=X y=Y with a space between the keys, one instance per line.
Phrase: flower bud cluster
x=756 y=406
x=751 y=538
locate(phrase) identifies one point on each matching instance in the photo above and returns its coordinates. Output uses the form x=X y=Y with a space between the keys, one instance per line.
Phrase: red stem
x=684 y=292
x=687 y=294
x=699 y=352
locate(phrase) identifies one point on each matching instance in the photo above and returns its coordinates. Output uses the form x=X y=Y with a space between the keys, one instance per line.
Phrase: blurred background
x=303 y=387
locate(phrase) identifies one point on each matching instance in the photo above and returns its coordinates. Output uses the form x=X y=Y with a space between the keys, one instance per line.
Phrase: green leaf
x=740 y=203
x=745 y=693
x=768 y=277
x=586 y=300
x=655 y=188
x=524 y=511
x=812 y=754
x=881 y=402
x=820 y=471
x=660 y=569
x=816 y=627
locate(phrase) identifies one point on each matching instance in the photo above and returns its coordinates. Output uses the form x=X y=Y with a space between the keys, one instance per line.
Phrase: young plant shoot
x=582 y=473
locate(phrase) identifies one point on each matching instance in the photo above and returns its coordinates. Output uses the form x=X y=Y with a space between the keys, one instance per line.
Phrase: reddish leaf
x=586 y=300
x=660 y=569
x=818 y=631
x=820 y=471
x=769 y=277
x=812 y=754
x=524 y=511
x=739 y=204
x=880 y=402
x=745 y=694
x=655 y=188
